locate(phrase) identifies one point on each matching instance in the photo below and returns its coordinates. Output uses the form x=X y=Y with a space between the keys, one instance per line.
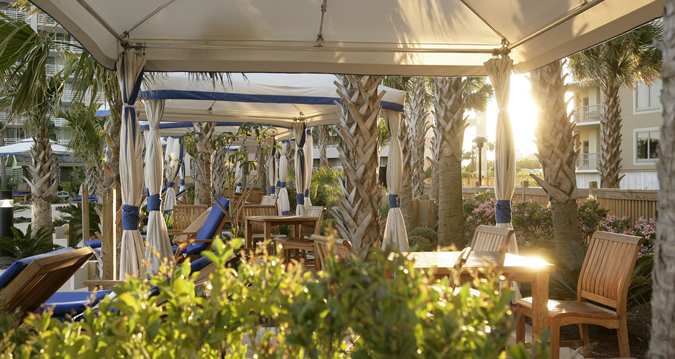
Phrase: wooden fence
x=634 y=204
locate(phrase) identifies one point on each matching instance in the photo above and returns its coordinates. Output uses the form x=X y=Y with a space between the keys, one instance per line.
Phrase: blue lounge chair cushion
x=199 y=264
x=15 y=268
x=93 y=243
x=213 y=220
x=72 y=303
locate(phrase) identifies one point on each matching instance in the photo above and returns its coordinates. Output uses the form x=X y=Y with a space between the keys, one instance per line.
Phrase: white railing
x=63 y=141
x=46 y=20
x=59 y=122
x=587 y=161
x=14 y=14
x=11 y=140
x=590 y=113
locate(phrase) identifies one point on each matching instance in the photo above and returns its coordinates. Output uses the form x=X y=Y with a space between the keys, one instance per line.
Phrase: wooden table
x=517 y=268
x=296 y=222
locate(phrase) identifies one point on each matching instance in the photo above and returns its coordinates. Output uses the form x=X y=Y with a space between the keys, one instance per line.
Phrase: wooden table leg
x=267 y=233
x=249 y=234
x=539 y=304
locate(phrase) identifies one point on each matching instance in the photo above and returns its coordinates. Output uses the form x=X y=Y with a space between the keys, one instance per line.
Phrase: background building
x=641 y=113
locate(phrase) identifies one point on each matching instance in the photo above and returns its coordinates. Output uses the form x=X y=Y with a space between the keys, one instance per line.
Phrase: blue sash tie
x=129 y=217
x=154 y=202
x=503 y=211
x=394 y=201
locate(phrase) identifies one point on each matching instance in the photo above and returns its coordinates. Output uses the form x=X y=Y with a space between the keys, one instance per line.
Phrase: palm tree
x=619 y=62
x=29 y=92
x=416 y=115
x=357 y=214
x=87 y=143
x=557 y=144
x=324 y=133
x=204 y=147
x=662 y=342
x=91 y=82
x=451 y=98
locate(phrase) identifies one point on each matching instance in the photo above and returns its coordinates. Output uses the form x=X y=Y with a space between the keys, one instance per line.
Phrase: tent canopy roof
x=270 y=99
x=437 y=37
x=23 y=147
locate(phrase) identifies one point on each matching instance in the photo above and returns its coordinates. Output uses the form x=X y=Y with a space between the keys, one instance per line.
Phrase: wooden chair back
x=317 y=212
x=491 y=239
x=250 y=210
x=186 y=214
x=42 y=278
x=325 y=248
x=607 y=269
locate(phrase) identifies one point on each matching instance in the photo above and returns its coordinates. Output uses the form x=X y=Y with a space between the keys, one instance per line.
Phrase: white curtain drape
x=171 y=167
x=158 y=246
x=395 y=234
x=309 y=165
x=283 y=205
x=270 y=167
x=300 y=138
x=130 y=73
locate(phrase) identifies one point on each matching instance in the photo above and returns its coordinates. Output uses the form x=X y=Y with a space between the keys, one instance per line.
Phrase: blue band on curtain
x=503 y=211
x=394 y=201
x=129 y=217
x=300 y=199
x=270 y=190
x=171 y=184
x=154 y=202
x=281 y=184
x=285 y=213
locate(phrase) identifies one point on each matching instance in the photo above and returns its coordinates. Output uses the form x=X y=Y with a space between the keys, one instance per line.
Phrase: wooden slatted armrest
x=101 y=284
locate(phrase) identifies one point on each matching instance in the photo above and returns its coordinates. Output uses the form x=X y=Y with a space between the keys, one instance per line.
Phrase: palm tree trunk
x=43 y=182
x=357 y=214
x=662 y=342
x=449 y=108
x=416 y=116
x=406 y=194
x=610 y=123
x=202 y=176
x=323 y=146
x=557 y=143
x=436 y=141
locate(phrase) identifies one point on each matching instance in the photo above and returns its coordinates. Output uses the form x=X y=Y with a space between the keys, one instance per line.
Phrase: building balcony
x=14 y=14
x=46 y=20
x=588 y=114
x=587 y=162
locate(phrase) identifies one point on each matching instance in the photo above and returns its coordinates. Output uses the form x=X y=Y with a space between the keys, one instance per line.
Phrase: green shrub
x=21 y=245
x=72 y=215
x=422 y=239
x=381 y=308
x=590 y=216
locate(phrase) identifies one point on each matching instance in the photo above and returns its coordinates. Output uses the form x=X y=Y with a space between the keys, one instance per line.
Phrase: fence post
x=525 y=185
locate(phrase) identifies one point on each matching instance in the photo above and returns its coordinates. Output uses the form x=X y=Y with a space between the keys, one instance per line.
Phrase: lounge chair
x=213 y=222
x=30 y=283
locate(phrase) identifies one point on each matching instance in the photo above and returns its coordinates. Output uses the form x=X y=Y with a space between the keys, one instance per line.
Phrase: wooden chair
x=186 y=214
x=491 y=239
x=29 y=282
x=602 y=292
x=325 y=248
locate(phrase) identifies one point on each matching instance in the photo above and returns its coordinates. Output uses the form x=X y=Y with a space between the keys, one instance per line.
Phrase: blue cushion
x=195 y=248
x=199 y=264
x=212 y=222
x=15 y=268
x=72 y=303
x=93 y=243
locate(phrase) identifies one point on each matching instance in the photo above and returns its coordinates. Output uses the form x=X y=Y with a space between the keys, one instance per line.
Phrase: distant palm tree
x=91 y=83
x=87 y=143
x=557 y=143
x=619 y=62
x=451 y=98
x=417 y=113
x=28 y=91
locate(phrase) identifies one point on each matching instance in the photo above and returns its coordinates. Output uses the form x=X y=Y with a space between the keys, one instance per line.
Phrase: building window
x=646 y=145
x=647 y=96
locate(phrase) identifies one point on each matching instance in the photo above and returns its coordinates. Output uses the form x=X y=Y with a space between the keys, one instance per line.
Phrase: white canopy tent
x=440 y=37
x=23 y=147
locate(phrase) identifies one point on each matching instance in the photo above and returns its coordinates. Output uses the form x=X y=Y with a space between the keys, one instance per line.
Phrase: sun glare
x=523 y=112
